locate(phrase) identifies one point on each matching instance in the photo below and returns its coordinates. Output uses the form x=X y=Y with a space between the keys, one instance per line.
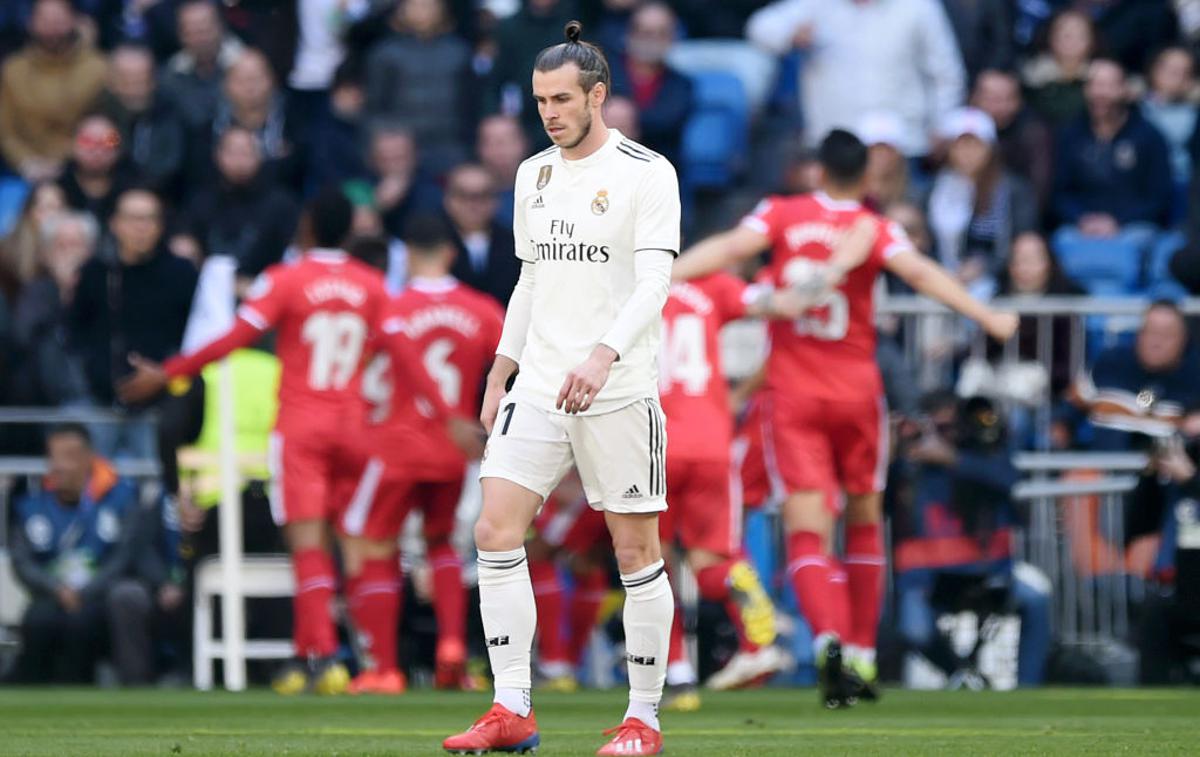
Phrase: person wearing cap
x=1112 y=167
x=888 y=177
x=976 y=206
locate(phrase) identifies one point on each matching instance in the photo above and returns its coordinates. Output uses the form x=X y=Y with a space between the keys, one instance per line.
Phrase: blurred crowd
x=151 y=149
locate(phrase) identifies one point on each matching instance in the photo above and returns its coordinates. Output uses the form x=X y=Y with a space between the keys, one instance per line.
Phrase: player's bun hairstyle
x=593 y=66
x=330 y=215
x=426 y=233
x=843 y=156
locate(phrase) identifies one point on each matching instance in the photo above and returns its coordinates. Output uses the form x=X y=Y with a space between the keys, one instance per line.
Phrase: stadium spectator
x=984 y=31
x=193 y=75
x=1112 y=168
x=501 y=146
x=519 y=38
x=334 y=147
x=486 y=260
x=612 y=26
x=320 y=51
x=888 y=175
x=252 y=101
x=400 y=186
x=621 y=113
x=1133 y=30
x=1159 y=366
x=44 y=90
x=153 y=135
x=244 y=214
x=1170 y=105
x=954 y=539
x=421 y=76
x=1054 y=79
x=47 y=371
x=72 y=547
x=133 y=297
x=97 y=171
x=976 y=207
x=663 y=96
x=867 y=56
x=19 y=250
x=1025 y=143
x=149 y=23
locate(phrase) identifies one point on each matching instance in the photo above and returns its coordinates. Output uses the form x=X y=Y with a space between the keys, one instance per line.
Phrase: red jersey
x=323 y=308
x=691 y=383
x=454 y=330
x=829 y=353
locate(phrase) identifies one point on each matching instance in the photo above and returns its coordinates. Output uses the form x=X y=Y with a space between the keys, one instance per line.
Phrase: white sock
x=509 y=619
x=680 y=673
x=864 y=655
x=821 y=641
x=649 y=610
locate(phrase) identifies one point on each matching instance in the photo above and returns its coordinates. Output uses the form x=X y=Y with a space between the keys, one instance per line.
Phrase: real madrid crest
x=600 y=202
x=544 y=176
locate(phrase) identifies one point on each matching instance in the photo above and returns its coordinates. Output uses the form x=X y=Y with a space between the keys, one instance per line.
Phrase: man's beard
x=583 y=132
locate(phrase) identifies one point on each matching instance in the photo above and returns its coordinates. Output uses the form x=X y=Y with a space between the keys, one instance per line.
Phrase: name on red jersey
x=324 y=290
x=428 y=319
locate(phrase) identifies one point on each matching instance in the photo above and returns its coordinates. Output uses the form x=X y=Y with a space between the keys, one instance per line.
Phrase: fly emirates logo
x=568 y=249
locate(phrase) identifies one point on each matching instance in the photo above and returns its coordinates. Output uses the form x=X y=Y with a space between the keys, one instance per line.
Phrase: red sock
x=864 y=573
x=590 y=588
x=374 y=599
x=548 y=595
x=676 y=652
x=449 y=598
x=819 y=583
x=713 y=582
x=313 y=633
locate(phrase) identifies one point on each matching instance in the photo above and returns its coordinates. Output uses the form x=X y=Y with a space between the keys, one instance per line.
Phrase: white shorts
x=621 y=456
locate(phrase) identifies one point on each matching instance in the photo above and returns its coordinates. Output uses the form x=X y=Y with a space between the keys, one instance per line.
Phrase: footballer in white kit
x=596 y=223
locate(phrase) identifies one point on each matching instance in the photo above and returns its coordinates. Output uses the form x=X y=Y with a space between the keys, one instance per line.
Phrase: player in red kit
x=322 y=308
x=827 y=421
x=417 y=459
x=705 y=516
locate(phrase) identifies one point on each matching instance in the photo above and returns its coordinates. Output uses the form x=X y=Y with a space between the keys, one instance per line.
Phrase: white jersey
x=581 y=222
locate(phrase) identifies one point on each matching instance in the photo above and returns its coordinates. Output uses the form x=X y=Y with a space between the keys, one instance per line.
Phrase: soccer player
x=596 y=224
x=826 y=414
x=419 y=449
x=706 y=506
x=322 y=308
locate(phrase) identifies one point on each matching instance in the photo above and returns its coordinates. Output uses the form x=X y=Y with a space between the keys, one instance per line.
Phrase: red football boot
x=499 y=730
x=633 y=737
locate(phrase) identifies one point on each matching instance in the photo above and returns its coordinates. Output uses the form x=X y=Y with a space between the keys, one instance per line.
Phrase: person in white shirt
x=868 y=55
x=596 y=226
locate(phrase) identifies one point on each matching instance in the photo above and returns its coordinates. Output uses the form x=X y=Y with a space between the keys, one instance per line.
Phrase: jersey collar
x=327 y=255
x=440 y=285
x=829 y=203
x=614 y=139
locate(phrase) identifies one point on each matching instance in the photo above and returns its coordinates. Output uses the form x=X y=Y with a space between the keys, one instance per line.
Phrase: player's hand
x=467 y=435
x=146 y=381
x=582 y=384
x=498 y=379
x=1001 y=326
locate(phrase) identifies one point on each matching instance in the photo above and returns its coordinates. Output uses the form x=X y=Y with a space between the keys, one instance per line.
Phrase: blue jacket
x=87 y=546
x=1118 y=368
x=1128 y=178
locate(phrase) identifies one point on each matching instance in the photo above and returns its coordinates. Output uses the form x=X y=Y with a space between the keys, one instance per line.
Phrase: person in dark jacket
x=663 y=96
x=1025 y=142
x=400 y=187
x=335 y=150
x=519 y=39
x=1113 y=169
x=97 y=171
x=422 y=77
x=486 y=260
x=132 y=298
x=153 y=135
x=243 y=214
x=74 y=542
x=953 y=532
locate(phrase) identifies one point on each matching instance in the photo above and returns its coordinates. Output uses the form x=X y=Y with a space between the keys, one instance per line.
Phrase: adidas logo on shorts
x=632 y=492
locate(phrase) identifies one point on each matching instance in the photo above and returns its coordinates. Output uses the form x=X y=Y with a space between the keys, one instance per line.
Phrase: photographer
x=1170 y=620
x=953 y=524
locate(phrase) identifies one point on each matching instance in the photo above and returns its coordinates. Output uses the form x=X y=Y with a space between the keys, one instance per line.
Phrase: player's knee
x=634 y=554
x=494 y=536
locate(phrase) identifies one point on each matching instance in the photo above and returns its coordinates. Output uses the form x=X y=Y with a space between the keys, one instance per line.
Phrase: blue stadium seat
x=1159 y=261
x=716 y=137
x=1106 y=267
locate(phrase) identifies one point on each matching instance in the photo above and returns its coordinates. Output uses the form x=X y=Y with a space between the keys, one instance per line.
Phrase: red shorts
x=749 y=460
x=571 y=525
x=384 y=496
x=815 y=444
x=704 y=506
x=311 y=473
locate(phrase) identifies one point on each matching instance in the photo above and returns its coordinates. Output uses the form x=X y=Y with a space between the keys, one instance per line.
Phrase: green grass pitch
x=758 y=723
